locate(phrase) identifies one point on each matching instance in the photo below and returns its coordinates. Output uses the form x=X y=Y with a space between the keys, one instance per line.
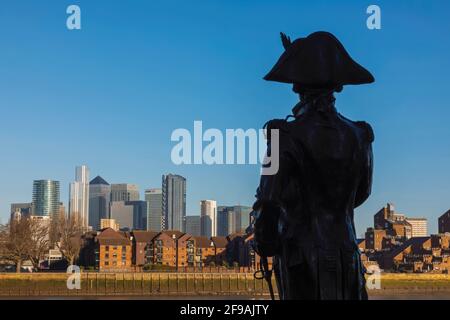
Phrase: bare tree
x=15 y=239
x=39 y=243
x=4 y=236
x=69 y=238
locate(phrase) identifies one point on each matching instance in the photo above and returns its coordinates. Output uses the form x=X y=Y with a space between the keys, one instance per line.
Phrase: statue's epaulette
x=280 y=124
x=368 y=129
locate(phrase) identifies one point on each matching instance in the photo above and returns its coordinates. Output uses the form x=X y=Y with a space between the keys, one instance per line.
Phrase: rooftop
x=98 y=180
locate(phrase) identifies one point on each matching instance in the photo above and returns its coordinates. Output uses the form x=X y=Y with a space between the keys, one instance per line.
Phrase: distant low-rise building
x=399 y=228
x=444 y=223
x=419 y=227
x=109 y=223
x=220 y=247
x=374 y=239
x=19 y=210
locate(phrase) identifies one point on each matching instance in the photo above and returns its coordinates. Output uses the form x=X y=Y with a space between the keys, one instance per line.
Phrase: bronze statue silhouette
x=304 y=213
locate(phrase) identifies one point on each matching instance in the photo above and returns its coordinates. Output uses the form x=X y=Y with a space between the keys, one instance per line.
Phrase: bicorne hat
x=317 y=62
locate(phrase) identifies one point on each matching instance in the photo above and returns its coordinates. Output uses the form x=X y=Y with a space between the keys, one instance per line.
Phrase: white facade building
x=419 y=227
x=208 y=218
x=79 y=196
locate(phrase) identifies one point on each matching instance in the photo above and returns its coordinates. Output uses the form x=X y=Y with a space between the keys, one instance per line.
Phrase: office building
x=174 y=202
x=123 y=214
x=130 y=215
x=139 y=214
x=19 y=210
x=46 y=194
x=193 y=225
x=231 y=219
x=79 y=197
x=208 y=218
x=124 y=192
x=155 y=221
x=99 y=199
x=419 y=227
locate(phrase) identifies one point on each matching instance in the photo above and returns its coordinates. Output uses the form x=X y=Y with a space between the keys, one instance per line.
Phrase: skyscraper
x=242 y=217
x=155 y=219
x=79 y=197
x=232 y=219
x=193 y=225
x=222 y=221
x=208 y=218
x=124 y=192
x=139 y=214
x=99 y=198
x=123 y=213
x=174 y=202
x=46 y=198
x=131 y=215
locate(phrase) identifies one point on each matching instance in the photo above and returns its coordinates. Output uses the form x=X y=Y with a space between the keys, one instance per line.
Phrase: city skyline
x=232 y=218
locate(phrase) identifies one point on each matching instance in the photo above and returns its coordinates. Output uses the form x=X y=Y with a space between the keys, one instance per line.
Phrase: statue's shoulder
x=364 y=126
x=367 y=129
x=281 y=125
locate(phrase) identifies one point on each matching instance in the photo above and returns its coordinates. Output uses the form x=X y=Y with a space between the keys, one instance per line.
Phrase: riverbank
x=194 y=286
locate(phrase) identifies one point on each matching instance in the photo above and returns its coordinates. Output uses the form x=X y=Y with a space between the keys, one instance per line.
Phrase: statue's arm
x=365 y=184
x=271 y=187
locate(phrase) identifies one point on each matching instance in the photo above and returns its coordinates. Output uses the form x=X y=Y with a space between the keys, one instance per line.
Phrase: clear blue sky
x=110 y=94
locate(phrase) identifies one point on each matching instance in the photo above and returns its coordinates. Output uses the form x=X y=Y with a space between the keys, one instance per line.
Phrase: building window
x=106 y=263
x=106 y=248
x=124 y=248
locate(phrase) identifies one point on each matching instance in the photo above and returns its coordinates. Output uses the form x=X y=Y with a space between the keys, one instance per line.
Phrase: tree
x=69 y=238
x=4 y=235
x=39 y=243
x=15 y=241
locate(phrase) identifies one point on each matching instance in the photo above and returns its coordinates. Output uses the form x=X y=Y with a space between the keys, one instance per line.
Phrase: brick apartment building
x=220 y=249
x=143 y=249
x=170 y=248
x=112 y=251
x=393 y=244
x=201 y=252
x=122 y=251
x=444 y=223
x=374 y=239
x=420 y=254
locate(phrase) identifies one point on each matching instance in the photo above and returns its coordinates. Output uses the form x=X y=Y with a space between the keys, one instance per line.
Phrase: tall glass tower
x=99 y=201
x=154 y=209
x=45 y=198
x=174 y=202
